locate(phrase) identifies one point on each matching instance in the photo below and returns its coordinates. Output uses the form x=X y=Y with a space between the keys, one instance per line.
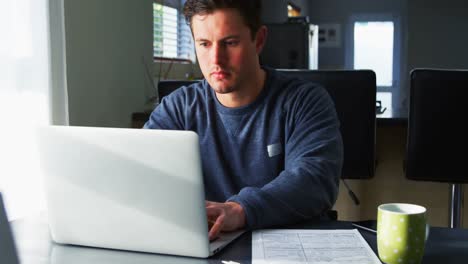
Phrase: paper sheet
x=311 y=246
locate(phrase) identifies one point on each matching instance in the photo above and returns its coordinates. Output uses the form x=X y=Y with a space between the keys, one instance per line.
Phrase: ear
x=260 y=38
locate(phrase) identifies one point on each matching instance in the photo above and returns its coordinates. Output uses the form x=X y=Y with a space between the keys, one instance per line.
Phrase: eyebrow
x=223 y=39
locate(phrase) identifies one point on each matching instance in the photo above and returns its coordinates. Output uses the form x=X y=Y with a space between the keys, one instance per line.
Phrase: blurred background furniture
x=437 y=134
x=166 y=87
x=291 y=45
x=354 y=95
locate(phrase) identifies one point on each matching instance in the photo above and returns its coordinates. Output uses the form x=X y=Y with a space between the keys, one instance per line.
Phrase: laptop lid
x=129 y=189
x=7 y=246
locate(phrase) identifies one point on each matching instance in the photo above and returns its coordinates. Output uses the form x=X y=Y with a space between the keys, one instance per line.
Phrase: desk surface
x=35 y=247
x=393 y=116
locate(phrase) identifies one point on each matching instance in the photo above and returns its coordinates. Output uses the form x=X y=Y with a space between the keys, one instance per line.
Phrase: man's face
x=226 y=52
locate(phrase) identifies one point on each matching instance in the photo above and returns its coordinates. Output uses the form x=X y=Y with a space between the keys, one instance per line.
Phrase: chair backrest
x=165 y=87
x=354 y=95
x=436 y=145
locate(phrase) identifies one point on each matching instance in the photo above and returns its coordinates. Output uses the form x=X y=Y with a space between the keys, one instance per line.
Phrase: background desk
x=393 y=116
x=35 y=247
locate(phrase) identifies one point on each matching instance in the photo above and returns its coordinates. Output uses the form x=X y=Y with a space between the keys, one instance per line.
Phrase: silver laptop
x=129 y=189
x=68 y=254
x=7 y=245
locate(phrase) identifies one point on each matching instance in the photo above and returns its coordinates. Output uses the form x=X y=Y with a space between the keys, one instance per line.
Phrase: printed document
x=303 y=246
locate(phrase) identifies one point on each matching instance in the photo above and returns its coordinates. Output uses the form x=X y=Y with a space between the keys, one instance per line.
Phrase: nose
x=218 y=54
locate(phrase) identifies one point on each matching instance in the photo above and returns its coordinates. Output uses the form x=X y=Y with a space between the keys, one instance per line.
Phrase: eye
x=203 y=43
x=231 y=43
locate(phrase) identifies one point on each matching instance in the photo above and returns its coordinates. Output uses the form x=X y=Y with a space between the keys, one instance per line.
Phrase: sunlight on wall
x=24 y=102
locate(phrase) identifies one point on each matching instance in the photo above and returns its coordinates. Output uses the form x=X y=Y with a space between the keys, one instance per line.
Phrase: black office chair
x=354 y=95
x=436 y=145
x=165 y=87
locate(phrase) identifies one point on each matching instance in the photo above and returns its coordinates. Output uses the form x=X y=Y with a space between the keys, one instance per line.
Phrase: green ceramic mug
x=402 y=232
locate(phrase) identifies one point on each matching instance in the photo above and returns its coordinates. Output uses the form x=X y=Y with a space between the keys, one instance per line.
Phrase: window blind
x=171 y=35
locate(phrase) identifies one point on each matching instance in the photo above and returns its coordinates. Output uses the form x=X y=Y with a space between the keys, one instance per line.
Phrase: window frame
x=397 y=49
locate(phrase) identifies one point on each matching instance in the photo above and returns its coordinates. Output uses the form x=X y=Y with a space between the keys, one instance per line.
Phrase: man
x=271 y=147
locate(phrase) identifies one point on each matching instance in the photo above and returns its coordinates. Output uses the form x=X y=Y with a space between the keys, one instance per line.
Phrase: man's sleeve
x=308 y=186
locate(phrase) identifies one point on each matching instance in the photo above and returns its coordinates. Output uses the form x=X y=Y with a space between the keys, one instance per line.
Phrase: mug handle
x=427 y=231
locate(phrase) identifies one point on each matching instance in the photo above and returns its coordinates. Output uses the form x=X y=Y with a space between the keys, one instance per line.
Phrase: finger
x=212 y=215
x=213 y=212
x=210 y=223
x=216 y=228
x=207 y=203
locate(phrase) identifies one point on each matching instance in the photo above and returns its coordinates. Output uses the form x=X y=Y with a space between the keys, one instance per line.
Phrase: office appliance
x=292 y=45
x=7 y=245
x=129 y=189
x=437 y=135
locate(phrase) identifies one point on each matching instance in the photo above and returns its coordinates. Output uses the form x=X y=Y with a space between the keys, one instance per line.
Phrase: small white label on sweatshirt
x=274 y=149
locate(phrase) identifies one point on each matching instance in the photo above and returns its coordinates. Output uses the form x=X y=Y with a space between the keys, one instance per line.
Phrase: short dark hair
x=250 y=10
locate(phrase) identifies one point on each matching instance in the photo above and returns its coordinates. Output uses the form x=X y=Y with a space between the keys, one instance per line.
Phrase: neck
x=247 y=94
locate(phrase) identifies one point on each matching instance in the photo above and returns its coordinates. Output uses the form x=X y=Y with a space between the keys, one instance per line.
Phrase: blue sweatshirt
x=279 y=157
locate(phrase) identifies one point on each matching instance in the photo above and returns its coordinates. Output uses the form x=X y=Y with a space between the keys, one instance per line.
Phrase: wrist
x=239 y=215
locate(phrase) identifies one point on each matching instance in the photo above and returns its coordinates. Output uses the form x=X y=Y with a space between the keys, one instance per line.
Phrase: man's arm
x=308 y=186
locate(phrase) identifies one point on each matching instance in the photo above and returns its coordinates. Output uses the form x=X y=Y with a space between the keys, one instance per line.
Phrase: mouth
x=220 y=74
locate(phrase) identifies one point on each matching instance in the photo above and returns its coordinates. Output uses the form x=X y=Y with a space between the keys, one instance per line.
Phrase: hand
x=228 y=216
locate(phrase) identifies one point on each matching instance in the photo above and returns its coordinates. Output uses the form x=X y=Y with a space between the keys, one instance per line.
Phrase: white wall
x=106 y=42
x=274 y=11
x=437 y=33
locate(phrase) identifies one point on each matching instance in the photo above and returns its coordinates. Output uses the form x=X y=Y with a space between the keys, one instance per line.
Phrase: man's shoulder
x=190 y=91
